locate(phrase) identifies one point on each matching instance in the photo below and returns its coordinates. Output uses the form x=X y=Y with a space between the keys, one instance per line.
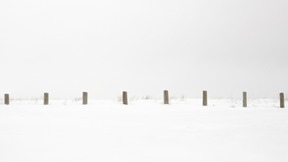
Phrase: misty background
x=103 y=47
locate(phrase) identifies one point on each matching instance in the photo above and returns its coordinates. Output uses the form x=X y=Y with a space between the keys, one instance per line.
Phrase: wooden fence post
x=205 y=102
x=46 y=98
x=85 y=98
x=125 y=98
x=6 y=99
x=282 y=101
x=244 y=99
x=166 y=97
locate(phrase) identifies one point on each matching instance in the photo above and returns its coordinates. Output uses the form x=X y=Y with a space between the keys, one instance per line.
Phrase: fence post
x=85 y=98
x=46 y=98
x=166 y=97
x=244 y=99
x=282 y=104
x=124 y=98
x=205 y=102
x=6 y=98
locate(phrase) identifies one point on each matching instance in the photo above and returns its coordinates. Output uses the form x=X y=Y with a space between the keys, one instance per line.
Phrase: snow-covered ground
x=143 y=131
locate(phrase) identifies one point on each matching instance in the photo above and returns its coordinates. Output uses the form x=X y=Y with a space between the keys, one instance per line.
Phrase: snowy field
x=143 y=131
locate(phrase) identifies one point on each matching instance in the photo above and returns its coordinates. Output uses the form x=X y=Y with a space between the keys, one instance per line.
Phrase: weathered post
x=46 y=98
x=166 y=97
x=282 y=104
x=85 y=98
x=6 y=99
x=124 y=98
x=205 y=102
x=244 y=99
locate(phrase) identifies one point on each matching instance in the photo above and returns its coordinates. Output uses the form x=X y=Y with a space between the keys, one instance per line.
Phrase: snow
x=143 y=131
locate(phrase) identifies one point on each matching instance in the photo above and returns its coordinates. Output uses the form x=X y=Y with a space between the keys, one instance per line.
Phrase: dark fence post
x=6 y=98
x=282 y=104
x=46 y=98
x=244 y=99
x=166 y=97
x=125 y=98
x=205 y=102
x=85 y=98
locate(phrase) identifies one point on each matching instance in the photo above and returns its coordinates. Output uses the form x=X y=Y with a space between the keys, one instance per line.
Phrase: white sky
x=143 y=46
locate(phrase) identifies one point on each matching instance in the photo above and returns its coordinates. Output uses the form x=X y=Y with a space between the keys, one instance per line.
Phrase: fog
x=103 y=47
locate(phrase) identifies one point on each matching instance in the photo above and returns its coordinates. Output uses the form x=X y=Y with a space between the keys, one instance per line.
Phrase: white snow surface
x=143 y=131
